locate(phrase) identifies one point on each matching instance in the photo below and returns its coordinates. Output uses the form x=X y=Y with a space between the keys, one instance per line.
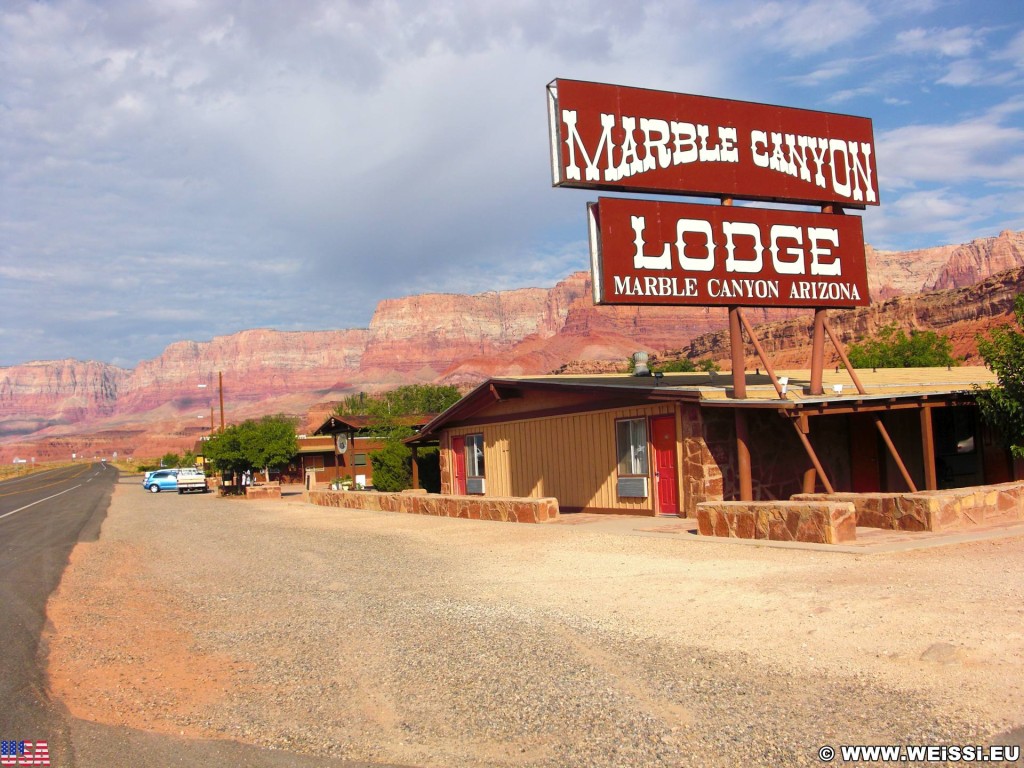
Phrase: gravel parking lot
x=435 y=642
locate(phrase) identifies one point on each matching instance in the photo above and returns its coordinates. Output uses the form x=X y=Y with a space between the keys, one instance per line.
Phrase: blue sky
x=182 y=169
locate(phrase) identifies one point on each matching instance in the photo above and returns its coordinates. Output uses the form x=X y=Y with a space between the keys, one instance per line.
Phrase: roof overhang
x=887 y=390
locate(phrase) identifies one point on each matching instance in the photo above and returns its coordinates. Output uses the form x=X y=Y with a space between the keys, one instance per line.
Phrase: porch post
x=415 y=470
x=810 y=476
x=928 y=449
x=811 y=473
x=739 y=392
x=743 y=456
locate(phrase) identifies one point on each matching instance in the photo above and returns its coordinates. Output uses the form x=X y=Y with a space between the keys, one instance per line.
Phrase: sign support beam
x=760 y=353
x=739 y=373
x=818 y=351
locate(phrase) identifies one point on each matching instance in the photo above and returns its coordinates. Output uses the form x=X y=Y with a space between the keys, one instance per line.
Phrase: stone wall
x=818 y=522
x=509 y=510
x=949 y=510
x=270 y=491
x=777 y=457
x=701 y=474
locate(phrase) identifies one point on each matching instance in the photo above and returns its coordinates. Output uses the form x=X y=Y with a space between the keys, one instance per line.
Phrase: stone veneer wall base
x=503 y=509
x=263 y=491
x=817 y=522
x=949 y=510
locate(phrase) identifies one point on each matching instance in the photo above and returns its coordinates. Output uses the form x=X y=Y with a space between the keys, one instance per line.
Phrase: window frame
x=474 y=455
x=638 y=451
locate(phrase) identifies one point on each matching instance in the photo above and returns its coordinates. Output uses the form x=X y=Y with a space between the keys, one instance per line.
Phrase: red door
x=663 y=429
x=459 y=465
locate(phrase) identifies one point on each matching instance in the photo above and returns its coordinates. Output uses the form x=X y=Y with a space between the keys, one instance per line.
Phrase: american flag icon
x=24 y=753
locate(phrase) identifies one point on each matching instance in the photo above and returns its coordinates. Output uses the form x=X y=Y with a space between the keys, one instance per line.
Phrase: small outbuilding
x=341 y=448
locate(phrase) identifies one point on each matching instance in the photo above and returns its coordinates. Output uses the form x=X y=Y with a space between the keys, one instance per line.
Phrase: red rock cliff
x=458 y=339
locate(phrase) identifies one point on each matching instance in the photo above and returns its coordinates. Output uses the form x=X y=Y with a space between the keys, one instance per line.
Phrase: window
x=474 y=455
x=359 y=460
x=631 y=440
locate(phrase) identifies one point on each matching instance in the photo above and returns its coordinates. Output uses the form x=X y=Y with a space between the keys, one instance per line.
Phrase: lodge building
x=659 y=445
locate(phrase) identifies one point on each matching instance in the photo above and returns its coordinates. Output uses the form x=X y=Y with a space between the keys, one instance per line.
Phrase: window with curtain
x=631 y=439
x=475 y=455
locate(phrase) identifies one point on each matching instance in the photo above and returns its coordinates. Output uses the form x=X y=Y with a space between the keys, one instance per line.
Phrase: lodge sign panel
x=637 y=140
x=653 y=252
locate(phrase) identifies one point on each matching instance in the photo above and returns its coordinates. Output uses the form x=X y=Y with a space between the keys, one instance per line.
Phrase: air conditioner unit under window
x=475 y=485
x=632 y=487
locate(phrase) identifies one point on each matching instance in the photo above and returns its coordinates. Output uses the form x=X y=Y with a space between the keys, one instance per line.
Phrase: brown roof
x=360 y=423
x=713 y=389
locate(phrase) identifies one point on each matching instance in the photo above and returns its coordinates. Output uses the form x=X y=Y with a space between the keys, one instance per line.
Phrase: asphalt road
x=42 y=517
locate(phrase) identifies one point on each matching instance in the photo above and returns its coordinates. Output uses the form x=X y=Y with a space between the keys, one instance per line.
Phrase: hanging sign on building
x=623 y=139
x=653 y=252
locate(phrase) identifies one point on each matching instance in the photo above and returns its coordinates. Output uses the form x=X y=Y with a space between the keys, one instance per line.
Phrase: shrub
x=892 y=348
x=1002 y=405
x=392 y=467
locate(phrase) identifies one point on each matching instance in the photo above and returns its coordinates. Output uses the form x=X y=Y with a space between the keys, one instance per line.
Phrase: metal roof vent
x=640 y=364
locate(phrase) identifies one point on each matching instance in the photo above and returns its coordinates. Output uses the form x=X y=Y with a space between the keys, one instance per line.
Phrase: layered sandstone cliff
x=256 y=365
x=53 y=406
x=897 y=273
x=959 y=313
x=37 y=395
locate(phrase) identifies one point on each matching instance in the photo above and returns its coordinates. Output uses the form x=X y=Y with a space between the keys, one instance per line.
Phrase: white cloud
x=937 y=215
x=978 y=149
x=1013 y=52
x=805 y=28
x=287 y=154
x=956 y=43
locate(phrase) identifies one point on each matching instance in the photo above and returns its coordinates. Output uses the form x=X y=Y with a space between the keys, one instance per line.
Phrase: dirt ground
x=367 y=635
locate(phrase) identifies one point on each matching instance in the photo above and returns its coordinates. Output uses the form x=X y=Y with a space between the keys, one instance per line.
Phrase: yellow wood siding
x=570 y=457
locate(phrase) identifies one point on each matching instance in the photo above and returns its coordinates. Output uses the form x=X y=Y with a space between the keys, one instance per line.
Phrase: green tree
x=224 y=451
x=1002 y=404
x=682 y=365
x=170 y=459
x=270 y=443
x=392 y=464
x=892 y=348
x=254 y=444
x=386 y=409
x=407 y=400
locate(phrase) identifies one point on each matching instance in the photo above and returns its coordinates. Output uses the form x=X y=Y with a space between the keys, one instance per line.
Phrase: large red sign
x=636 y=140
x=651 y=252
